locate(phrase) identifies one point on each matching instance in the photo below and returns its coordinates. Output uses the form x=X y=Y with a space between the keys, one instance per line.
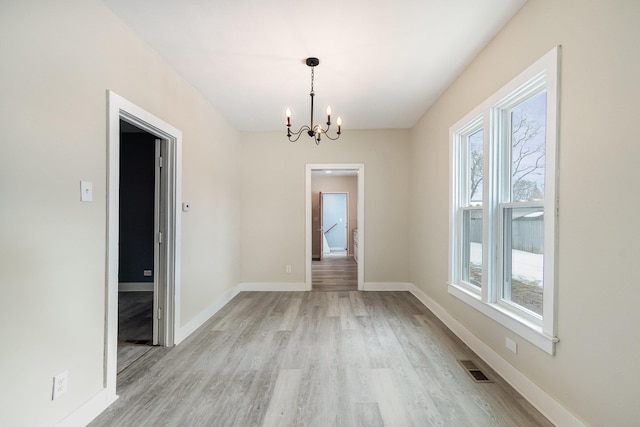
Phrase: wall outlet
x=60 y=383
x=288 y=268
x=147 y=273
x=511 y=345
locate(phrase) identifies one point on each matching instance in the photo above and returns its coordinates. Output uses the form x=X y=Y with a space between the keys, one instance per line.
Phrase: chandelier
x=314 y=131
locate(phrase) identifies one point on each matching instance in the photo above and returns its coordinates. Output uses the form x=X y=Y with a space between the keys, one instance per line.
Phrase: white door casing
x=359 y=168
x=169 y=256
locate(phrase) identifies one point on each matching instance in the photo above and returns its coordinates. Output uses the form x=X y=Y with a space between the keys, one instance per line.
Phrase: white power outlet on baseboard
x=288 y=268
x=60 y=383
x=511 y=345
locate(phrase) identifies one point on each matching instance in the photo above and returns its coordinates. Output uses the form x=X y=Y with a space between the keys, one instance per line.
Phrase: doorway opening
x=334 y=223
x=139 y=284
x=143 y=251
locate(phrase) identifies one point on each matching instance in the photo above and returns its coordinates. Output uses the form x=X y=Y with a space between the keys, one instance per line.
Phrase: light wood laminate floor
x=316 y=359
x=135 y=326
x=334 y=274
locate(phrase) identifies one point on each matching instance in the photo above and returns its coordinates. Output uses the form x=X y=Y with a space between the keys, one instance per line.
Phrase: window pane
x=528 y=130
x=472 y=247
x=475 y=167
x=523 y=253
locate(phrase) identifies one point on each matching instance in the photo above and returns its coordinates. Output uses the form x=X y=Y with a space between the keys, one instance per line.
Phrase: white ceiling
x=382 y=62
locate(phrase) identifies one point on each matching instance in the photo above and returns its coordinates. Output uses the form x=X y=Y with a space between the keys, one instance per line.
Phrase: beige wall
x=595 y=372
x=333 y=184
x=273 y=202
x=58 y=60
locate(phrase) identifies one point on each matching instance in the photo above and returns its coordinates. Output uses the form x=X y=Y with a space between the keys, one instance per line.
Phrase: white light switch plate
x=86 y=191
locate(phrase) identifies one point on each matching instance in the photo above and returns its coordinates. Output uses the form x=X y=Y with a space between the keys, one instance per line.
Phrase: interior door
x=159 y=251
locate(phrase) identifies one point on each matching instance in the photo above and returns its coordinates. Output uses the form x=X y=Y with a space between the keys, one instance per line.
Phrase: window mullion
x=503 y=188
x=488 y=243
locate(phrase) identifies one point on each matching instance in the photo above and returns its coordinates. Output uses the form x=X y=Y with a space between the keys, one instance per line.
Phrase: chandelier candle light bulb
x=311 y=130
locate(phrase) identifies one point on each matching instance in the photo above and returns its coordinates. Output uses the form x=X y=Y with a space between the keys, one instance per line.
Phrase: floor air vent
x=476 y=374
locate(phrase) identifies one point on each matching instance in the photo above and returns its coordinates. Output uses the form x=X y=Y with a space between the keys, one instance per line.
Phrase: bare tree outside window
x=524 y=281
x=476 y=159
x=528 y=127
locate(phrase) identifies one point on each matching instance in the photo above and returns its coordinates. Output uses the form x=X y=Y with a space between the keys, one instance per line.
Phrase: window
x=503 y=205
x=471 y=140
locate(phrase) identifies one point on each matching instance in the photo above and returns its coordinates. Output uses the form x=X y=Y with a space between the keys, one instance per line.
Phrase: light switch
x=86 y=191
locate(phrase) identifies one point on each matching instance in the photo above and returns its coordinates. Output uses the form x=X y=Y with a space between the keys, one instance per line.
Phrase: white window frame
x=461 y=167
x=539 y=330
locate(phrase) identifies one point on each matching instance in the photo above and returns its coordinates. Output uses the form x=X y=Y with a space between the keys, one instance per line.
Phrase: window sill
x=525 y=329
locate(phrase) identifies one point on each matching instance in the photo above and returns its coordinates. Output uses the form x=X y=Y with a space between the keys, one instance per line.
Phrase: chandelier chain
x=312 y=75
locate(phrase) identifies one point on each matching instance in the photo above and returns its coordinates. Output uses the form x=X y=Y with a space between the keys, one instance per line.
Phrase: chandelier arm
x=296 y=138
x=298 y=133
x=329 y=136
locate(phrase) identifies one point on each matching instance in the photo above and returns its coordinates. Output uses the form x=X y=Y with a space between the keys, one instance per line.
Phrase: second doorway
x=335 y=222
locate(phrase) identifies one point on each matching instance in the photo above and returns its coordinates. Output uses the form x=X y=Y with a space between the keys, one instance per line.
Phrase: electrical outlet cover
x=60 y=382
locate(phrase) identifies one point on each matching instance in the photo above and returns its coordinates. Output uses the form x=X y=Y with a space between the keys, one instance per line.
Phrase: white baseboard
x=549 y=407
x=135 y=286
x=89 y=410
x=186 y=330
x=273 y=287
